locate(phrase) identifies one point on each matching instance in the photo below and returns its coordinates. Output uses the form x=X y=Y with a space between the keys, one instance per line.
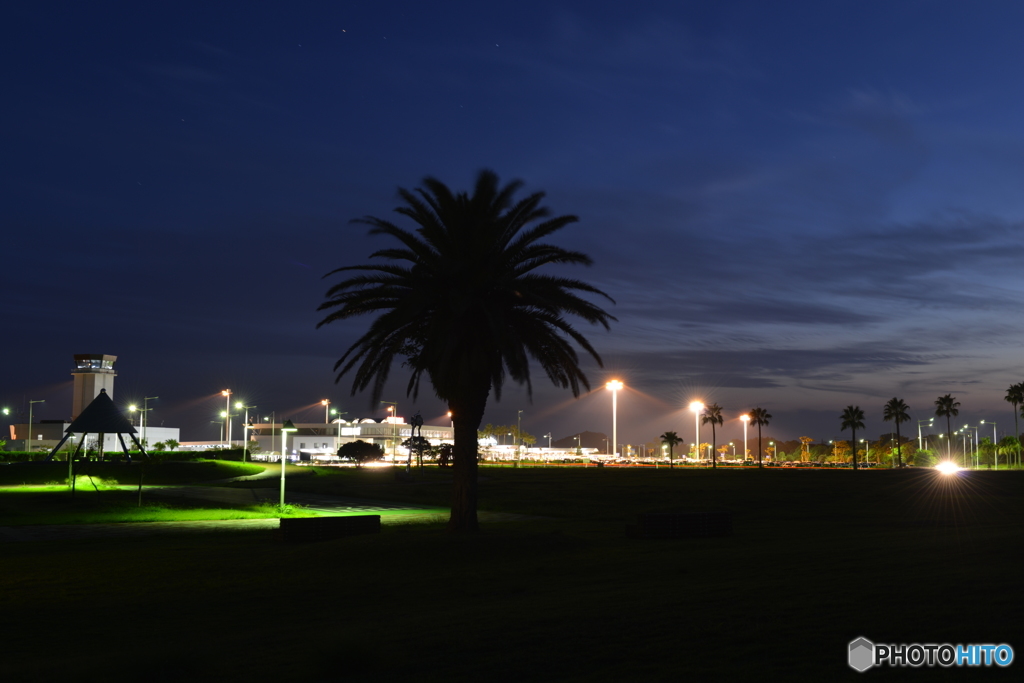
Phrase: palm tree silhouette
x=713 y=416
x=760 y=417
x=459 y=301
x=895 y=410
x=853 y=419
x=1015 y=396
x=672 y=440
x=948 y=407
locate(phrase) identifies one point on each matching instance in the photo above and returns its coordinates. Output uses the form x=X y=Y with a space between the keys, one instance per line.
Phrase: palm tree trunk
x=759 y=447
x=853 y=446
x=466 y=416
x=714 y=444
x=899 y=446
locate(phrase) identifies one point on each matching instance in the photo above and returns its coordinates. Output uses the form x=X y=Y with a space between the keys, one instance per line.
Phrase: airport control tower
x=93 y=373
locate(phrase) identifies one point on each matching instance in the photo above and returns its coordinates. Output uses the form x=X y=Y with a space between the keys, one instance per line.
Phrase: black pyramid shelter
x=100 y=417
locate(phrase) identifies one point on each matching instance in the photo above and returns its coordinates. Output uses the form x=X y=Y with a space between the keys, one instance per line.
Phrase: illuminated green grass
x=164 y=473
x=55 y=505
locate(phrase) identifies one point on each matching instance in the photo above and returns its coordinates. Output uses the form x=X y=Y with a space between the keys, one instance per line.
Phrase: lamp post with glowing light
x=326 y=403
x=614 y=386
x=393 y=410
x=746 y=420
x=246 y=426
x=28 y=442
x=995 y=449
x=519 y=435
x=920 y=438
x=697 y=407
x=285 y=428
x=227 y=415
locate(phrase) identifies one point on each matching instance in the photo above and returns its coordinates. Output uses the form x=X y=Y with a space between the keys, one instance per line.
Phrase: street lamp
x=519 y=435
x=920 y=439
x=28 y=443
x=746 y=420
x=285 y=428
x=246 y=426
x=393 y=409
x=273 y=423
x=227 y=415
x=775 y=452
x=548 y=437
x=697 y=407
x=995 y=449
x=614 y=386
x=145 y=417
x=326 y=403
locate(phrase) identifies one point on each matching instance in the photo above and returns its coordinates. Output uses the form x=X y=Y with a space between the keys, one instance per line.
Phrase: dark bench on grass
x=304 y=529
x=681 y=525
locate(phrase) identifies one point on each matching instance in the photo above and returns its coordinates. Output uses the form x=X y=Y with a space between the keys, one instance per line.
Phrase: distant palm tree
x=1015 y=396
x=671 y=439
x=853 y=419
x=458 y=300
x=948 y=407
x=760 y=417
x=895 y=410
x=713 y=416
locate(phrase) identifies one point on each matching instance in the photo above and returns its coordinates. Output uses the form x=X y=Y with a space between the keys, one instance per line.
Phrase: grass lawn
x=55 y=505
x=156 y=474
x=817 y=559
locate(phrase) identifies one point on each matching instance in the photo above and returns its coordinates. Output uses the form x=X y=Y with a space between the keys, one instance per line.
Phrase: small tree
x=171 y=444
x=671 y=439
x=360 y=452
x=417 y=444
x=159 y=446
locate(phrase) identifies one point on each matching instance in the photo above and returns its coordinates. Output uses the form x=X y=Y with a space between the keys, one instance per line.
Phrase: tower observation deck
x=94 y=372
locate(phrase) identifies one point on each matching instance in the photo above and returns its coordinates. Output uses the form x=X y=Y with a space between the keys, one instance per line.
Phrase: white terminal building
x=94 y=372
x=318 y=439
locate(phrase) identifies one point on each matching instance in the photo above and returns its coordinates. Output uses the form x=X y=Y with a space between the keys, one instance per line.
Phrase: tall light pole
x=920 y=438
x=995 y=449
x=145 y=417
x=546 y=436
x=227 y=415
x=393 y=409
x=697 y=407
x=614 y=386
x=746 y=420
x=28 y=443
x=519 y=435
x=245 y=427
x=326 y=403
x=285 y=428
x=273 y=424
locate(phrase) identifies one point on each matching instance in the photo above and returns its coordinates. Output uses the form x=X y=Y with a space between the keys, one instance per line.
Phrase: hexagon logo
x=862 y=654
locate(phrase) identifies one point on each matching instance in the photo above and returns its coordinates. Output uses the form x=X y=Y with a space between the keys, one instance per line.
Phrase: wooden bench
x=307 y=529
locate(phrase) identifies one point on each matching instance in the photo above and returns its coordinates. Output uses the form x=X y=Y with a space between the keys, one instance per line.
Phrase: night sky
x=798 y=205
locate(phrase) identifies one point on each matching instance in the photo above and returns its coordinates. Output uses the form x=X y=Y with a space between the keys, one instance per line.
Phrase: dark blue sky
x=798 y=205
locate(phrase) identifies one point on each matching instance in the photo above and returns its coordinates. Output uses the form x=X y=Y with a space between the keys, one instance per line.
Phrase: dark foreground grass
x=817 y=559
